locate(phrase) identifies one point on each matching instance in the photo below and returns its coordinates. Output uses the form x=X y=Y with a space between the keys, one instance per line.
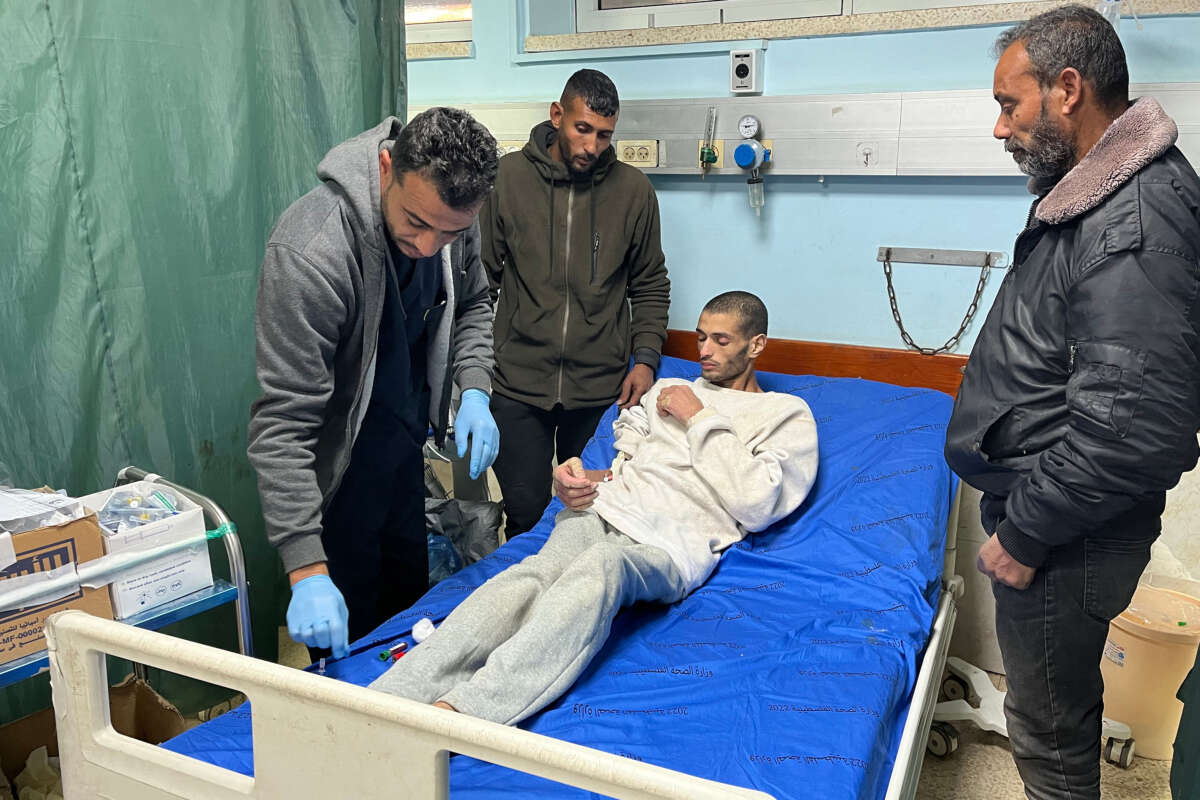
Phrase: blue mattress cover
x=790 y=670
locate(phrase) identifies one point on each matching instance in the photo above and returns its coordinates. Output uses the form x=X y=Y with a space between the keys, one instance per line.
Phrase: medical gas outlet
x=751 y=154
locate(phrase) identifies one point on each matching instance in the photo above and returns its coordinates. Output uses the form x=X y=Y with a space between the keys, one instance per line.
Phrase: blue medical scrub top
x=374 y=527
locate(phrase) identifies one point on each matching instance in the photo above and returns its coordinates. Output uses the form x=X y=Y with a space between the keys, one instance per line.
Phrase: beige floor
x=292 y=653
x=982 y=769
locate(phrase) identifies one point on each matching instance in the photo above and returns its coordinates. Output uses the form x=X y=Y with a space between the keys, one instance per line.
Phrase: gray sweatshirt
x=743 y=463
x=320 y=299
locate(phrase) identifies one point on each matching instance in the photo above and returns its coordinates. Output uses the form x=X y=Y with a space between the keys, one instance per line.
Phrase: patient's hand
x=679 y=402
x=575 y=486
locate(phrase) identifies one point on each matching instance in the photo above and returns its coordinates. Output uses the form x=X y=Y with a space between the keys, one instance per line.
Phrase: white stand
x=965 y=683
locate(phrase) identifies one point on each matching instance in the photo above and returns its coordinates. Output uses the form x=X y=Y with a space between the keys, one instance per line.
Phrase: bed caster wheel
x=1119 y=752
x=943 y=739
x=955 y=688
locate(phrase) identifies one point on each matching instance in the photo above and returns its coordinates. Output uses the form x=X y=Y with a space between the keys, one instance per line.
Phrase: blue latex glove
x=475 y=421
x=317 y=615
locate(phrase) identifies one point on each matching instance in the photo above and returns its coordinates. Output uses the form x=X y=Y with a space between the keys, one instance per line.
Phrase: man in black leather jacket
x=1081 y=401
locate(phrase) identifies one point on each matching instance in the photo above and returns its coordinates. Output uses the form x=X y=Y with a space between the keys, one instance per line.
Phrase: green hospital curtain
x=147 y=149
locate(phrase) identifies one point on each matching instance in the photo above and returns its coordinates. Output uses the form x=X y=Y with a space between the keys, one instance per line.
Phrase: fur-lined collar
x=1134 y=139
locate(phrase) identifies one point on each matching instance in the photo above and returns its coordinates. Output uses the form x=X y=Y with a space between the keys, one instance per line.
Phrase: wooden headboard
x=794 y=357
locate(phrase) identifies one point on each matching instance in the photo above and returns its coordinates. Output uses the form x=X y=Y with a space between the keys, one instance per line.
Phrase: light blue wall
x=812 y=254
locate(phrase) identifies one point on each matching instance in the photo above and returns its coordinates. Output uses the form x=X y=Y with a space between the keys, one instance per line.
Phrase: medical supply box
x=164 y=579
x=42 y=550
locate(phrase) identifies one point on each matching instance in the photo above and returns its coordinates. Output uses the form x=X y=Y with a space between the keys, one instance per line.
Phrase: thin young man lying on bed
x=698 y=465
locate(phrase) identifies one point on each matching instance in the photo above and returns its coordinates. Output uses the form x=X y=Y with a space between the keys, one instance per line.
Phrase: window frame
x=439 y=32
x=589 y=18
x=884 y=6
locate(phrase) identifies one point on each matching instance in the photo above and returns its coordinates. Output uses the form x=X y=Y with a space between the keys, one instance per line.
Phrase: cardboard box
x=42 y=550
x=165 y=579
x=136 y=710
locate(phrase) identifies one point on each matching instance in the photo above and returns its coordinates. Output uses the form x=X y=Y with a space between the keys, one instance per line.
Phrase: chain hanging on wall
x=971 y=309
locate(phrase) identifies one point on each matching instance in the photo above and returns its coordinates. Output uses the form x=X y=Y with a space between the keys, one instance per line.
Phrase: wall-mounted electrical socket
x=745 y=71
x=718 y=146
x=510 y=146
x=638 y=152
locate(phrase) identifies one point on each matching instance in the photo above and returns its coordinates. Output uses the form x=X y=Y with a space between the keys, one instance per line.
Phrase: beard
x=1049 y=154
x=567 y=158
x=732 y=368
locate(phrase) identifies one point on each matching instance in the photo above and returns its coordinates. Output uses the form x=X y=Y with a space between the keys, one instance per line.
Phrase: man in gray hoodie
x=356 y=357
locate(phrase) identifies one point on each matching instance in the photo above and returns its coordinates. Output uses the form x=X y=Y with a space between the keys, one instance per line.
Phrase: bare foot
x=445 y=705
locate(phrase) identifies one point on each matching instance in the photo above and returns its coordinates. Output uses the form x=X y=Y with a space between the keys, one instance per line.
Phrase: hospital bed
x=807 y=666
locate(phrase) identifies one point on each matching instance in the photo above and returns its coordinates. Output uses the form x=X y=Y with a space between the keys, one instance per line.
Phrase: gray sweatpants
x=521 y=639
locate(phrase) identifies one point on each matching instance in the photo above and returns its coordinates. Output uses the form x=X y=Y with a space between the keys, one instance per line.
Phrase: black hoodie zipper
x=595 y=233
x=595 y=250
x=562 y=355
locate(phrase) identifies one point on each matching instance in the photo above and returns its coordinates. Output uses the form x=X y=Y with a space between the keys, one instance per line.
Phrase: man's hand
x=317 y=615
x=679 y=402
x=637 y=383
x=995 y=562
x=474 y=423
x=576 y=486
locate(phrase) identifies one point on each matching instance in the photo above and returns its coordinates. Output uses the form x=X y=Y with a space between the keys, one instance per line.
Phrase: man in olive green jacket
x=570 y=239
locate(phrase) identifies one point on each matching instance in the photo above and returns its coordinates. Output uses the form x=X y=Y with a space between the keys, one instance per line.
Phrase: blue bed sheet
x=790 y=670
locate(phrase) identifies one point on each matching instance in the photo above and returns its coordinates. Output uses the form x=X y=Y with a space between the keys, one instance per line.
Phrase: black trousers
x=1051 y=638
x=530 y=438
x=374 y=535
x=1185 y=767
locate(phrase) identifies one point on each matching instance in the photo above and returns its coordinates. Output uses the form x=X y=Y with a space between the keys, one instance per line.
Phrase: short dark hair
x=595 y=89
x=449 y=147
x=750 y=311
x=1074 y=36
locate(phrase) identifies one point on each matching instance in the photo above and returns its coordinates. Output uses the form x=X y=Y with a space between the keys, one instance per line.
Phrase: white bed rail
x=313 y=736
x=906 y=770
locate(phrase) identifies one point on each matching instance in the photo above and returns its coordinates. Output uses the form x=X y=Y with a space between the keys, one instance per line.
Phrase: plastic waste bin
x=1150 y=649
